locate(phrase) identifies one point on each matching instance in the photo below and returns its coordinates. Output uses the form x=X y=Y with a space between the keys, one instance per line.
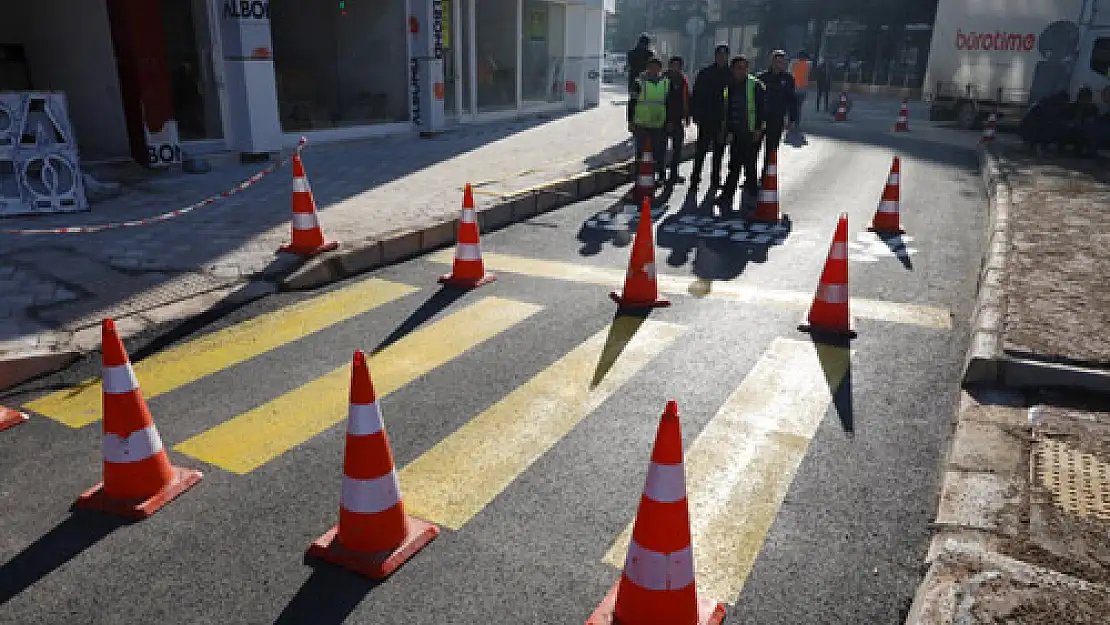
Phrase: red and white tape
x=156 y=218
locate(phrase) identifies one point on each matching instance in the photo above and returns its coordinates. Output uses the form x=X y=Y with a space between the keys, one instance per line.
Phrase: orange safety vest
x=801 y=73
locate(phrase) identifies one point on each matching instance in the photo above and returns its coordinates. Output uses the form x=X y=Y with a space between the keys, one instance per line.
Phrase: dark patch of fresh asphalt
x=846 y=545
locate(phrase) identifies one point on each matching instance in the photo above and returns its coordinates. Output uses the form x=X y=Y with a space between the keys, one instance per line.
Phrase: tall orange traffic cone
x=657 y=585
x=138 y=476
x=902 y=124
x=645 y=175
x=990 y=127
x=308 y=238
x=767 y=208
x=10 y=418
x=886 y=220
x=829 y=313
x=374 y=536
x=641 y=290
x=842 y=108
x=468 y=271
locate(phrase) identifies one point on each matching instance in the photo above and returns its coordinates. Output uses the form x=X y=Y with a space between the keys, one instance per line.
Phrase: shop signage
x=38 y=147
x=247 y=9
x=414 y=83
x=437 y=29
x=163 y=155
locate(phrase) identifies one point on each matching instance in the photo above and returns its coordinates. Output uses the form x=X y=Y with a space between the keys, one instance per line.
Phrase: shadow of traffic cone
x=374 y=536
x=887 y=216
x=767 y=208
x=657 y=584
x=307 y=237
x=138 y=476
x=10 y=418
x=641 y=289
x=645 y=175
x=842 y=109
x=468 y=270
x=829 y=313
x=902 y=124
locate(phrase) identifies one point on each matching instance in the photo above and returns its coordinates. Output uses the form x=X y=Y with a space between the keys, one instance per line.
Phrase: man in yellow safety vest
x=647 y=114
x=745 y=99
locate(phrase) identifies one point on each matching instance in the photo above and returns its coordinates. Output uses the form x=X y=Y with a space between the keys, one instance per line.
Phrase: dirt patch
x=1058 y=303
x=1008 y=602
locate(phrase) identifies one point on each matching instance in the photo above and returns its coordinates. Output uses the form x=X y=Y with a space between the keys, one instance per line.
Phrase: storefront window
x=463 y=28
x=495 y=23
x=340 y=63
x=196 y=100
x=543 y=36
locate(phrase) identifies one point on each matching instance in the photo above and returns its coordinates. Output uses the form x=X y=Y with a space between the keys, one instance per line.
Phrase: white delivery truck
x=1010 y=54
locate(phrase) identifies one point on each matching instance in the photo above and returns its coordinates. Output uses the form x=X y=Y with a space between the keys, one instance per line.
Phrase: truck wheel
x=966 y=116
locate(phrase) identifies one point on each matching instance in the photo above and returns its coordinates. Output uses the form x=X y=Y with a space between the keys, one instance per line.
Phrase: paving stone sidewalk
x=54 y=288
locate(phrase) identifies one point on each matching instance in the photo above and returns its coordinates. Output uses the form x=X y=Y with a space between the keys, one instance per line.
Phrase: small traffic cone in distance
x=468 y=270
x=307 y=236
x=990 y=127
x=829 y=313
x=641 y=289
x=842 y=109
x=374 y=536
x=10 y=418
x=887 y=216
x=138 y=476
x=657 y=585
x=903 y=122
x=767 y=208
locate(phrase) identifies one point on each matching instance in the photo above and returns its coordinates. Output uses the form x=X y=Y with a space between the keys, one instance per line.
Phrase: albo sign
x=247 y=10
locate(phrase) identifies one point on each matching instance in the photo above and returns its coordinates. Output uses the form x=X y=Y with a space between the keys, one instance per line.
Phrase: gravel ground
x=1058 y=305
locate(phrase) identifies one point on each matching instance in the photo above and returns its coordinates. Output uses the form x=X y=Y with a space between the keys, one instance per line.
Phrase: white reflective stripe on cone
x=646 y=180
x=304 y=221
x=666 y=483
x=364 y=419
x=136 y=447
x=468 y=251
x=371 y=496
x=894 y=179
x=300 y=185
x=769 y=196
x=833 y=293
x=469 y=216
x=887 y=206
x=838 y=251
x=771 y=170
x=652 y=570
x=119 y=380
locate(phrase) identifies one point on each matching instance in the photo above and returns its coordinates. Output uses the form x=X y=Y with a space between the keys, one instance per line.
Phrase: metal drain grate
x=1079 y=482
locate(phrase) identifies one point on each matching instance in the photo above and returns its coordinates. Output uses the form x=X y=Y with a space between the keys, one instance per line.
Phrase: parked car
x=614 y=66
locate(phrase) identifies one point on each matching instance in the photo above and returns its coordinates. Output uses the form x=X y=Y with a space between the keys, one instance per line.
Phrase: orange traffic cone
x=842 y=109
x=902 y=124
x=767 y=208
x=645 y=176
x=10 y=418
x=308 y=238
x=468 y=271
x=829 y=313
x=138 y=476
x=657 y=585
x=374 y=536
x=886 y=220
x=641 y=290
x=990 y=127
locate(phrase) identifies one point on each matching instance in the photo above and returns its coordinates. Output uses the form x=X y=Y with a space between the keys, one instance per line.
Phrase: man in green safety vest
x=745 y=122
x=647 y=114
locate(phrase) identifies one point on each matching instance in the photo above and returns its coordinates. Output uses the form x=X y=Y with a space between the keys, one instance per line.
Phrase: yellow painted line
x=253 y=438
x=175 y=367
x=740 y=468
x=911 y=314
x=457 y=478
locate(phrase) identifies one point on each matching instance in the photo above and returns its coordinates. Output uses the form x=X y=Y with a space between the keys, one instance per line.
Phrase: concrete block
x=319 y=272
x=361 y=256
x=19 y=368
x=442 y=234
x=983 y=365
x=975 y=501
x=587 y=185
x=401 y=246
x=525 y=207
x=984 y=447
x=497 y=216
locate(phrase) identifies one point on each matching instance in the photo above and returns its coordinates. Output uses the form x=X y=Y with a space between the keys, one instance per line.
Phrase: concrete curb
x=987 y=362
x=361 y=256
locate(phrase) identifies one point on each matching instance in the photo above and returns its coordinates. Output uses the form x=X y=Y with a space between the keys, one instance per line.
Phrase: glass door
x=189 y=58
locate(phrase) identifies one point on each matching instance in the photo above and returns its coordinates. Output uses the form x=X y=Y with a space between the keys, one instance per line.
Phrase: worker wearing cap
x=707 y=109
x=744 y=117
x=678 y=115
x=647 y=113
x=781 y=104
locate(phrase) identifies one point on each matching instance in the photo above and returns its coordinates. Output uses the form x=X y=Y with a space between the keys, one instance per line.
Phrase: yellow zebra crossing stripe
x=253 y=438
x=453 y=481
x=912 y=314
x=175 y=367
x=740 y=468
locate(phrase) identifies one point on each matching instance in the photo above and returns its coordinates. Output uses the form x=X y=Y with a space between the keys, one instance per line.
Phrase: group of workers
x=730 y=106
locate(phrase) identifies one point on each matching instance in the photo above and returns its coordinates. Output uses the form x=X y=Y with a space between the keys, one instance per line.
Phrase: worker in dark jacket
x=707 y=109
x=744 y=117
x=647 y=114
x=638 y=59
x=678 y=114
x=782 y=103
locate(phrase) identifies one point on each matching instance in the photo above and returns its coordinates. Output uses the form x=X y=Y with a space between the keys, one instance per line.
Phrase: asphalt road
x=523 y=425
